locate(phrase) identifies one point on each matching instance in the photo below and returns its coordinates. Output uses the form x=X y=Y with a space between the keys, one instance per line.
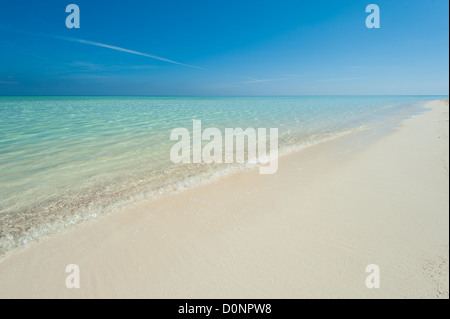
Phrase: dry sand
x=308 y=231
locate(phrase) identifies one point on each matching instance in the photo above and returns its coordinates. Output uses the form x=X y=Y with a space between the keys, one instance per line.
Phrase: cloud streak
x=112 y=47
x=9 y=82
x=254 y=80
x=340 y=80
x=106 y=46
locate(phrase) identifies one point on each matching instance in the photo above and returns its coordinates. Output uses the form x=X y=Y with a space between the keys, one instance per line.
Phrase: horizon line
x=281 y=95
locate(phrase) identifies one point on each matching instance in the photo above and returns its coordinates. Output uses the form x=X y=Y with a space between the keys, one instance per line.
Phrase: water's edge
x=13 y=241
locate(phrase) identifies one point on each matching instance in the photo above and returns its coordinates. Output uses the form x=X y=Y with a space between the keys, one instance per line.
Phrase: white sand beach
x=308 y=231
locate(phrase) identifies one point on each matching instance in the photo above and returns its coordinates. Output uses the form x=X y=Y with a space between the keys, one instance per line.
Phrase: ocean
x=66 y=160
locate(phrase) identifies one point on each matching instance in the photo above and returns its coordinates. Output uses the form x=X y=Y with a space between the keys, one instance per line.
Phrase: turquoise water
x=64 y=160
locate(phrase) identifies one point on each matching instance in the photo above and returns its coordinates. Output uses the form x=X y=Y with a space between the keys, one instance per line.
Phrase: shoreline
x=201 y=179
x=89 y=202
x=246 y=236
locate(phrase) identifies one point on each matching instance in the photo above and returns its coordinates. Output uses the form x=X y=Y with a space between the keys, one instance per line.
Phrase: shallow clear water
x=68 y=159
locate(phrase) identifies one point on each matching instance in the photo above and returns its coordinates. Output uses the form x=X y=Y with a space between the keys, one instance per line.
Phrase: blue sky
x=241 y=48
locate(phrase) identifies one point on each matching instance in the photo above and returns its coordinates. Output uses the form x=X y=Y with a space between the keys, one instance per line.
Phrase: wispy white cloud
x=112 y=47
x=339 y=80
x=253 y=80
x=359 y=67
x=103 y=45
x=9 y=82
x=82 y=66
x=250 y=80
